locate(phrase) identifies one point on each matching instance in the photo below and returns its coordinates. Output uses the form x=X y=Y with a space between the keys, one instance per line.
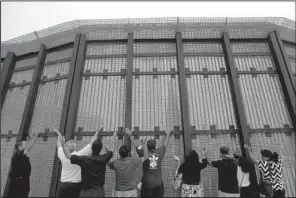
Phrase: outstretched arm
x=31 y=142
x=128 y=132
x=66 y=151
x=59 y=144
x=145 y=150
x=95 y=137
x=250 y=154
x=166 y=141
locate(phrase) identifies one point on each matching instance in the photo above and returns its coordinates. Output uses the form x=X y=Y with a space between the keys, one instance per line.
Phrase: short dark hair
x=151 y=144
x=97 y=147
x=123 y=151
x=266 y=153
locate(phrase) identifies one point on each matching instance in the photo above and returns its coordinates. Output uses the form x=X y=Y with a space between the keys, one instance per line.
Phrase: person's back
x=277 y=177
x=152 y=168
x=93 y=169
x=227 y=173
x=125 y=172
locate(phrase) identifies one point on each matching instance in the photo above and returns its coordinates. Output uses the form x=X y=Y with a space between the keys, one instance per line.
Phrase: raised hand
x=128 y=132
x=57 y=132
x=62 y=140
x=100 y=128
x=246 y=146
x=204 y=151
x=176 y=158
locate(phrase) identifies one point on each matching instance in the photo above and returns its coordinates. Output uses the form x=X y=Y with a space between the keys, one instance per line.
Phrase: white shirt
x=72 y=172
x=242 y=178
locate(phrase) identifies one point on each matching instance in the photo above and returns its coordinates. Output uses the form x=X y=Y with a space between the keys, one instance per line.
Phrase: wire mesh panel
x=249 y=47
x=110 y=179
x=106 y=49
x=209 y=175
x=58 y=55
x=105 y=34
x=259 y=63
x=210 y=63
x=263 y=101
x=7 y=148
x=25 y=62
x=150 y=63
x=210 y=102
x=156 y=102
x=101 y=98
x=103 y=64
x=194 y=47
x=49 y=104
x=42 y=159
x=169 y=164
x=149 y=47
x=284 y=145
x=292 y=63
x=291 y=51
x=154 y=33
x=247 y=32
x=13 y=108
x=188 y=33
x=52 y=70
x=20 y=76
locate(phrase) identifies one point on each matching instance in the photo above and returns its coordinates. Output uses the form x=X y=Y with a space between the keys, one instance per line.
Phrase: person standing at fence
x=227 y=173
x=70 y=185
x=125 y=172
x=277 y=176
x=152 y=182
x=264 y=167
x=243 y=177
x=21 y=168
x=93 y=168
x=190 y=171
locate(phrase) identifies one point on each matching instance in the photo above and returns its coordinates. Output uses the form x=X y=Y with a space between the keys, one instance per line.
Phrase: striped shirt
x=276 y=174
x=265 y=171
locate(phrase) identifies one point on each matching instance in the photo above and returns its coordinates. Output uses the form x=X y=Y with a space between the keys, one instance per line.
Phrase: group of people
x=83 y=172
x=234 y=174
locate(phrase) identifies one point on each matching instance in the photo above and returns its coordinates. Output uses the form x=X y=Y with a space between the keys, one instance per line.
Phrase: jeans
x=156 y=192
x=69 y=189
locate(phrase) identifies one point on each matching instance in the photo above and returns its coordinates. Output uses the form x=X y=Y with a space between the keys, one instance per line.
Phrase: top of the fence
x=151 y=22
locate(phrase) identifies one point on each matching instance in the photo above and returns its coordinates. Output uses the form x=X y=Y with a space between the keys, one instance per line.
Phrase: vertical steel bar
x=56 y=165
x=76 y=88
x=285 y=57
x=235 y=91
x=32 y=95
x=283 y=74
x=129 y=87
x=183 y=94
x=6 y=74
x=30 y=103
x=243 y=128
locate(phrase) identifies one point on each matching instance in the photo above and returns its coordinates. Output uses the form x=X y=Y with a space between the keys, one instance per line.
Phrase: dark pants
x=279 y=193
x=99 y=191
x=69 y=189
x=246 y=192
x=19 y=187
x=156 y=192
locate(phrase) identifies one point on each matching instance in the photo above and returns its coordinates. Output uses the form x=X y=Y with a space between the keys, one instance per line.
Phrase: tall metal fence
x=208 y=91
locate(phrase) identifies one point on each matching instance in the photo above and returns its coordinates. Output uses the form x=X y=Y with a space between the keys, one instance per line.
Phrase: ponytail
x=275 y=157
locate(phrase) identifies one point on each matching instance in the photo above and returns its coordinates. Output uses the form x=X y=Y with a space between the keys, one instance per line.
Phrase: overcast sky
x=19 y=18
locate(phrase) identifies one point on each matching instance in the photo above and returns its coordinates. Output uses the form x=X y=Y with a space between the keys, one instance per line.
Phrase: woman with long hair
x=276 y=175
x=190 y=170
x=243 y=177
